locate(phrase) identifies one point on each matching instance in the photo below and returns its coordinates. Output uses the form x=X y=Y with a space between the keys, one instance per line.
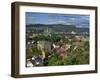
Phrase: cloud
x=48 y=18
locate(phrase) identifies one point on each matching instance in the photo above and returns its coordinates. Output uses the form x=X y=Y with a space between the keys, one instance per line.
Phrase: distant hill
x=57 y=27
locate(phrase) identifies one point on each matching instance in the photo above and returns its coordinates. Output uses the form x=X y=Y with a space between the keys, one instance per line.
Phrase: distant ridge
x=58 y=27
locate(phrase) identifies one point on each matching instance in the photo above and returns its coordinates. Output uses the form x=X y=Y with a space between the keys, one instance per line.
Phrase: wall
x=5 y=40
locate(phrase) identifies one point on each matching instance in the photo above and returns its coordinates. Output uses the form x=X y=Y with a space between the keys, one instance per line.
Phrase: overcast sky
x=51 y=18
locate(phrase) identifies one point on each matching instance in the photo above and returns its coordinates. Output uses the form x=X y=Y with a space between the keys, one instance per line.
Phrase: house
x=82 y=38
x=34 y=61
x=45 y=45
x=55 y=46
x=73 y=32
x=62 y=50
x=29 y=63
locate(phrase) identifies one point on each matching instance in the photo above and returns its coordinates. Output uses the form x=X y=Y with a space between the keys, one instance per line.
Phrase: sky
x=52 y=18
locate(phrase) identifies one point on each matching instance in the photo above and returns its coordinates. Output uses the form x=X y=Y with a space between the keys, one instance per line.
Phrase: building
x=47 y=32
x=45 y=45
x=62 y=50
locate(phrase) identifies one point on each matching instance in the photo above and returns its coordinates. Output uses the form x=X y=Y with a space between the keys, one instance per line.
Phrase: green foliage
x=55 y=60
x=78 y=56
x=81 y=54
x=28 y=53
x=52 y=38
x=33 y=51
x=36 y=51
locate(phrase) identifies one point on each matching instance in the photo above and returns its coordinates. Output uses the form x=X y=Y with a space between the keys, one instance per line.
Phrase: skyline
x=53 y=18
